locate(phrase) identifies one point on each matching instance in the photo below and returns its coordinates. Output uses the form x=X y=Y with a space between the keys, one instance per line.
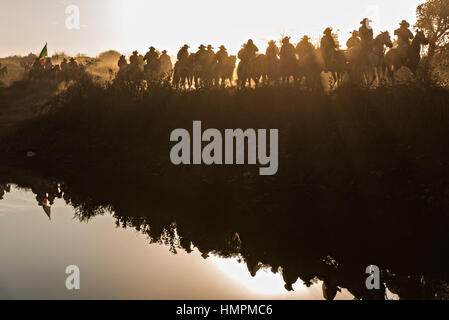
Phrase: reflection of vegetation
x=363 y=177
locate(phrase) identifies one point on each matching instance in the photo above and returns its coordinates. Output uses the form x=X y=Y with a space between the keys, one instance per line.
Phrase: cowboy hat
x=404 y=23
x=365 y=21
x=222 y=47
x=286 y=39
x=306 y=37
x=328 y=30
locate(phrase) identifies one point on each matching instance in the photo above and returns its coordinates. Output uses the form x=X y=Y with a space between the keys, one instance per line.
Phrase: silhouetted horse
x=363 y=63
x=394 y=60
x=224 y=70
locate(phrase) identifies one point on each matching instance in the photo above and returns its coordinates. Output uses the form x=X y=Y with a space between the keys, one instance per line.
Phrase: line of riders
x=67 y=70
x=365 y=60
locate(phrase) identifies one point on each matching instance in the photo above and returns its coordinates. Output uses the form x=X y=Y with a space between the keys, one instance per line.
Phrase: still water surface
x=116 y=263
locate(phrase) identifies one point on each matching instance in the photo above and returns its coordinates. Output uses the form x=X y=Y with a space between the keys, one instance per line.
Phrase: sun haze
x=136 y=24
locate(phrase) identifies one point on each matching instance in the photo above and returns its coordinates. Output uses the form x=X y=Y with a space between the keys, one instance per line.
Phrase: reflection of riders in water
x=272 y=50
x=404 y=36
x=4 y=188
x=328 y=47
x=354 y=41
x=304 y=47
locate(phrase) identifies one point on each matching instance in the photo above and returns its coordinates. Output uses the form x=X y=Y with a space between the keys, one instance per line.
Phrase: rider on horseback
x=151 y=55
x=354 y=41
x=183 y=53
x=367 y=37
x=328 y=48
x=366 y=32
x=304 y=47
x=250 y=50
x=221 y=55
x=134 y=59
x=287 y=49
x=404 y=36
x=272 y=50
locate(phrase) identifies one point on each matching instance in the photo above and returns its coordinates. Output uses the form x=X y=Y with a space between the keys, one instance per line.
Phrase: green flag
x=43 y=55
x=47 y=207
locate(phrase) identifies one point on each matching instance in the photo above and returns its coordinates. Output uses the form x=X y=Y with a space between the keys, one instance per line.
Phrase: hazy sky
x=26 y=25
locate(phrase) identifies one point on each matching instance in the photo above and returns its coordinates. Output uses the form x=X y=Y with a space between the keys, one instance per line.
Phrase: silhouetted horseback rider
x=48 y=65
x=287 y=49
x=134 y=59
x=210 y=53
x=328 y=48
x=64 y=64
x=221 y=55
x=366 y=32
x=304 y=47
x=36 y=69
x=122 y=63
x=354 y=41
x=272 y=50
x=151 y=55
x=404 y=36
x=183 y=53
x=73 y=65
x=249 y=51
x=165 y=64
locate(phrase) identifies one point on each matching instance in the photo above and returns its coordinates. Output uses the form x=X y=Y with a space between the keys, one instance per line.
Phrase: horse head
x=421 y=38
x=386 y=39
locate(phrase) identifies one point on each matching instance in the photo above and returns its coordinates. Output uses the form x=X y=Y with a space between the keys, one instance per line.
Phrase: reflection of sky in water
x=115 y=263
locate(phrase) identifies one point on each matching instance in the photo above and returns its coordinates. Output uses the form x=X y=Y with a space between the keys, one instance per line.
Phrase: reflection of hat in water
x=328 y=30
x=286 y=39
x=306 y=37
x=404 y=24
x=222 y=47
